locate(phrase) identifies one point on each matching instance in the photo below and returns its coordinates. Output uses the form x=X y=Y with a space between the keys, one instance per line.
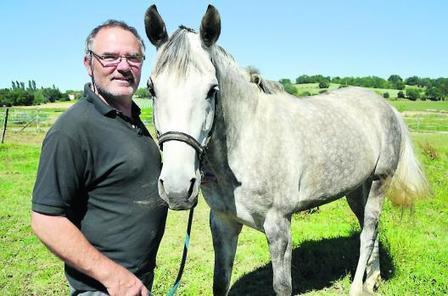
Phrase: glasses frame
x=119 y=58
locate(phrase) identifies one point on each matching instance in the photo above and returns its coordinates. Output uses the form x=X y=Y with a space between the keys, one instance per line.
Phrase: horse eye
x=212 y=92
x=150 y=87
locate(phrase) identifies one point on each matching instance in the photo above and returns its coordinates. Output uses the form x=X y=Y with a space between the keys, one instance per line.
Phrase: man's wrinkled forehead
x=112 y=39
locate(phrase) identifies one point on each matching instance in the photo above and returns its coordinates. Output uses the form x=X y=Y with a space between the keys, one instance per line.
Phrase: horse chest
x=239 y=202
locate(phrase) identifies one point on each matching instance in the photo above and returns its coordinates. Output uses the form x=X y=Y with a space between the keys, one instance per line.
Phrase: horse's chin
x=180 y=204
x=181 y=207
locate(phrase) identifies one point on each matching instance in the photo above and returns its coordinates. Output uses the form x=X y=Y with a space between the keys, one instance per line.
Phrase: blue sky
x=44 y=40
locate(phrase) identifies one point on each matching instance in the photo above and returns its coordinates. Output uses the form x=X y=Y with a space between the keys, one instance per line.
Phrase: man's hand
x=121 y=282
x=68 y=243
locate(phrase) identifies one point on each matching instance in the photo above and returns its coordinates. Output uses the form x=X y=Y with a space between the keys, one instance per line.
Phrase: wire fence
x=29 y=125
x=25 y=125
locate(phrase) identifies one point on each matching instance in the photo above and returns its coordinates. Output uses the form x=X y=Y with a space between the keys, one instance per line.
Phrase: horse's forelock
x=176 y=53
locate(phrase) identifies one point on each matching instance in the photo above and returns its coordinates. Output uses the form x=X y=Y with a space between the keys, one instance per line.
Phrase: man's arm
x=65 y=240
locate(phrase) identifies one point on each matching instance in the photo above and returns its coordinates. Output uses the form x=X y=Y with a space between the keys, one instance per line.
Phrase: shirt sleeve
x=59 y=176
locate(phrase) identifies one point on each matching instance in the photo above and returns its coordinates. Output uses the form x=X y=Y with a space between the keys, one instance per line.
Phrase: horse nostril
x=190 y=190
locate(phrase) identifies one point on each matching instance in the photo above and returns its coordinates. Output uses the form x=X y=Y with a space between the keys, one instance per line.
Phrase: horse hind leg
x=366 y=202
x=278 y=233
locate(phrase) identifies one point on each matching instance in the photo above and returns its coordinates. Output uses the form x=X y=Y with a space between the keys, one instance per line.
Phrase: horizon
x=283 y=41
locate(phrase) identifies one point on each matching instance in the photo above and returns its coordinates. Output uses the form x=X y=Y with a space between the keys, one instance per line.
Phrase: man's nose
x=123 y=64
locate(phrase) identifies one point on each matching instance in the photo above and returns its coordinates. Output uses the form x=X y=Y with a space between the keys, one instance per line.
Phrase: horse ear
x=210 y=26
x=155 y=27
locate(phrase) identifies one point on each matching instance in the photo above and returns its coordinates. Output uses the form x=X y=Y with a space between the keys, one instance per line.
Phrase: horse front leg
x=225 y=232
x=278 y=233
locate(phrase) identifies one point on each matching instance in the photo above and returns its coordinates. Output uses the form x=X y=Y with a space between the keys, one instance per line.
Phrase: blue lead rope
x=173 y=289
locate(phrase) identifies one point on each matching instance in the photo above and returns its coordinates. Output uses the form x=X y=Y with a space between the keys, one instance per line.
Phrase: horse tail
x=408 y=182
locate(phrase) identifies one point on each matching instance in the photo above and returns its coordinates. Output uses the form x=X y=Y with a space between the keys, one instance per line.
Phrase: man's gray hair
x=111 y=24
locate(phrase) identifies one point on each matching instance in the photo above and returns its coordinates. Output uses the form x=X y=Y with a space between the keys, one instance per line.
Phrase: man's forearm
x=65 y=240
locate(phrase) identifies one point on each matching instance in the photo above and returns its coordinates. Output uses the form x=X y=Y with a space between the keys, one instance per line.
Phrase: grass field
x=414 y=243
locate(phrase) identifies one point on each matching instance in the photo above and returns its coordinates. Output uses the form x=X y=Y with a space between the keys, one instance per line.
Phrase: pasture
x=413 y=250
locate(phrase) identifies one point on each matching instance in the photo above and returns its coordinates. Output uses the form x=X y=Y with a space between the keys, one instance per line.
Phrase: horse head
x=184 y=88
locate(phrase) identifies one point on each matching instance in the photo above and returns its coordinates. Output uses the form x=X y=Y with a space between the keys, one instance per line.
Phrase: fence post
x=37 y=120
x=5 y=123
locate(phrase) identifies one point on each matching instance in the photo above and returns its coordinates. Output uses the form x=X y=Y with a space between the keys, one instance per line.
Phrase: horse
x=271 y=155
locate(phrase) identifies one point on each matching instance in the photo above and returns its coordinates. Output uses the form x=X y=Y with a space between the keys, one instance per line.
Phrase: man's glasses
x=112 y=60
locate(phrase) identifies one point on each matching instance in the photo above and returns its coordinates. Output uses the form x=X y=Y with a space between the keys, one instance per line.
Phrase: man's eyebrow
x=116 y=54
x=109 y=53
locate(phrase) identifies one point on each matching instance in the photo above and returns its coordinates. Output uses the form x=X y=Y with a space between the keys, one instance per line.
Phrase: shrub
x=400 y=95
x=289 y=88
x=412 y=94
x=324 y=84
x=386 y=95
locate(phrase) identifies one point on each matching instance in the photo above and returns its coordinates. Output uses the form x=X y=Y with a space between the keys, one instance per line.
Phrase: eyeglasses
x=112 y=60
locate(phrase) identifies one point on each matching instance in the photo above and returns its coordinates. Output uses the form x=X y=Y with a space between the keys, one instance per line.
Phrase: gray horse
x=272 y=155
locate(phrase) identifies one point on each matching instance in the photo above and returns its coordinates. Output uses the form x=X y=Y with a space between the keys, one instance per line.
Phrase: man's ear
x=88 y=64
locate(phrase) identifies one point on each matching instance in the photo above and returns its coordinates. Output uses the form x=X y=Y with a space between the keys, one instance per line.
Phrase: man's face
x=120 y=81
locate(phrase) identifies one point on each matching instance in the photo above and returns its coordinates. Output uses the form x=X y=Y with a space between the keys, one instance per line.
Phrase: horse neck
x=238 y=98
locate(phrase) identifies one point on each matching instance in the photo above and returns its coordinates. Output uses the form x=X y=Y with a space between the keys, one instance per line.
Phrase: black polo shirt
x=100 y=169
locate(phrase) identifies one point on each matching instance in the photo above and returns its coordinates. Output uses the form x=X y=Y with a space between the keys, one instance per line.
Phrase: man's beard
x=110 y=95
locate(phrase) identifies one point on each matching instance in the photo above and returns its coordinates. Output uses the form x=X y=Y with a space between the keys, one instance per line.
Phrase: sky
x=44 y=40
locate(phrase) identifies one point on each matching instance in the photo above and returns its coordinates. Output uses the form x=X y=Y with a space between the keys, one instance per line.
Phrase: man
x=95 y=200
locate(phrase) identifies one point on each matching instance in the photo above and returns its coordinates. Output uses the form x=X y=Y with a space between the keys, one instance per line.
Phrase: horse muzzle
x=179 y=195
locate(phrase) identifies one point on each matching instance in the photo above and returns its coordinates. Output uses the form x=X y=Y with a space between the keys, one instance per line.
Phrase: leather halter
x=182 y=137
x=186 y=138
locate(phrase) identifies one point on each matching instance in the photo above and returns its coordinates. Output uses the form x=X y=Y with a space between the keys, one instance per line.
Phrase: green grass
x=413 y=245
x=407 y=105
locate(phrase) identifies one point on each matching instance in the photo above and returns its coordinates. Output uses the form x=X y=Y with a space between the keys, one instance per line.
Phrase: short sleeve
x=60 y=174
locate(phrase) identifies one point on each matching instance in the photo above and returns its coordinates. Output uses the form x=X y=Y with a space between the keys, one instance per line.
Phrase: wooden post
x=5 y=123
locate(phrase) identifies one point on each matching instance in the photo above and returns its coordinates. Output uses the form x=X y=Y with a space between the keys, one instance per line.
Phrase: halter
x=188 y=139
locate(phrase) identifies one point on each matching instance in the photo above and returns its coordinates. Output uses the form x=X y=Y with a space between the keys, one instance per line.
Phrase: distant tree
x=52 y=94
x=413 y=80
x=396 y=82
x=13 y=85
x=303 y=79
x=412 y=94
x=399 y=85
x=142 y=93
x=285 y=81
x=442 y=85
x=395 y=78
x=33 y=83
x=434 y=94
x=425 y=82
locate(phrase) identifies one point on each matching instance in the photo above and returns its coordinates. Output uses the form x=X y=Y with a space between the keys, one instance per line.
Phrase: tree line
x=27 y=94
x=424 y=88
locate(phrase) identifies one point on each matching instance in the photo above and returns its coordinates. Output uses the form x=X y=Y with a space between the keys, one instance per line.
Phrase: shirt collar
x=102 y=107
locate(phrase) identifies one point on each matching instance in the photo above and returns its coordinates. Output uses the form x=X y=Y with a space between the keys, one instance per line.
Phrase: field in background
x=413 y=243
